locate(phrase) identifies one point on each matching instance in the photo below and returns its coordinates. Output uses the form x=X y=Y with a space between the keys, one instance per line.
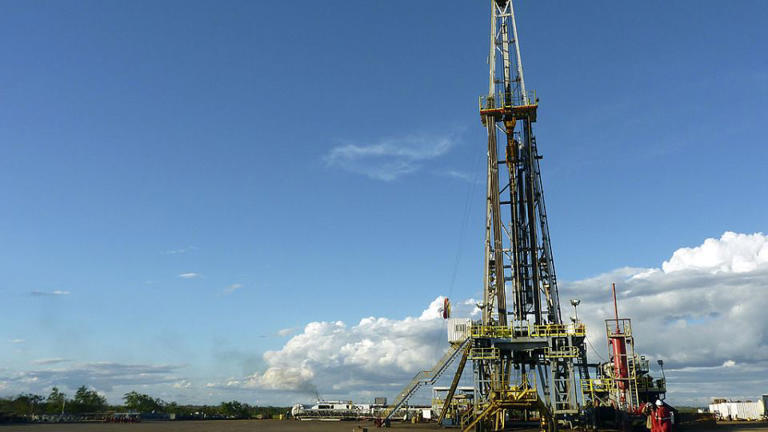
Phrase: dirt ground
x=215 y=426
x=289 y=426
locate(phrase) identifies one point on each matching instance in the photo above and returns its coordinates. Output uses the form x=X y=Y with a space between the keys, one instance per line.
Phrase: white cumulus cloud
x=735 y=253
x=702 y=311
x=376 y=354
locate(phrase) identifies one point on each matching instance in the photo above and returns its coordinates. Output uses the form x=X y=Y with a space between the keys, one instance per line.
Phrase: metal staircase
x=426 y=377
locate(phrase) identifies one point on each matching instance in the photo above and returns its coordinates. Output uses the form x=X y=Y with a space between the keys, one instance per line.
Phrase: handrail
x=484 y=353
x=568 y=351
x=425 y=377
x=621 y=327
x=530 y=330
x=498 y=100
x=595 y=385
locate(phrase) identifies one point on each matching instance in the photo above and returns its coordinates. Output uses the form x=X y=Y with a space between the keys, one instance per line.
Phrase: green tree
x=88 y=401
x=27 y=404
x=56 y=402
x=235 y=409
x=142 y=403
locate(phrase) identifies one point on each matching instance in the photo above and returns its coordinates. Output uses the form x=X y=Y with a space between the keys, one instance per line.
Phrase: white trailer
x=739 y=410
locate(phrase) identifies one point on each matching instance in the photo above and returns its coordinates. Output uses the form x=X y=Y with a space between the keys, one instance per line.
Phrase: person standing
x=663 y=417
x=650 y=422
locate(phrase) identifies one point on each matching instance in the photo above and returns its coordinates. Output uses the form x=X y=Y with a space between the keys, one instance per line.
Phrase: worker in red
x=648 y=411
x=662 y=417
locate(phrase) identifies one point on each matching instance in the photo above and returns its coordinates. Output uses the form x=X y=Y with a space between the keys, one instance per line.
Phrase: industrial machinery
x=623 y=383
x=527 y=363
x=524 y=357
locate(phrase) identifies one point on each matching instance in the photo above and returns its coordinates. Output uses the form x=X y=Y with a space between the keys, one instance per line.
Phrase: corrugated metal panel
x=458 y=329
x=739 y=410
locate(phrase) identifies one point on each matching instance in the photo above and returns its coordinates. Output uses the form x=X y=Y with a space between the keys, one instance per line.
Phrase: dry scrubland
x=287 y=426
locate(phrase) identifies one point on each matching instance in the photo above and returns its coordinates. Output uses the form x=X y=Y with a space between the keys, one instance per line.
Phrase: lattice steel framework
x=517 y=242
x=538 y=346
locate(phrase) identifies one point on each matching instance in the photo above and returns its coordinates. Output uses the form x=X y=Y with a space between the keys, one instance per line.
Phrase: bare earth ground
x=216 y=426
x=289 y=426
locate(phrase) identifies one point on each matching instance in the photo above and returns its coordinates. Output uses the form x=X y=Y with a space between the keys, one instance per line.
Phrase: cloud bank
x=701 y=312
x=103 y=376
x=376 y=356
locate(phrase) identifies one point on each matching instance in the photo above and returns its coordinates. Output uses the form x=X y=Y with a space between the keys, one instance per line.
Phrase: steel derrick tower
x=524 y=357
x=518 y=254
x=523 y=354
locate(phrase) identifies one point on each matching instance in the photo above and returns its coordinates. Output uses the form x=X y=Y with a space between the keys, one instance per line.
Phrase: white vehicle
x=334 y=411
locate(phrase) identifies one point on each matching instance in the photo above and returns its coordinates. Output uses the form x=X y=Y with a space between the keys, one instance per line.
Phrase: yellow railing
x=596 y=385
x=530 y=330
x=498 y=100
x=484 y=353
x=618 y=328
x=491 y=331
x=568 y=351
x=516 y=395
x=544 y=330
x=527 y=381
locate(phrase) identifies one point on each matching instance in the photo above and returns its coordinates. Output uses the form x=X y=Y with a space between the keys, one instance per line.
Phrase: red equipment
x=619 y=348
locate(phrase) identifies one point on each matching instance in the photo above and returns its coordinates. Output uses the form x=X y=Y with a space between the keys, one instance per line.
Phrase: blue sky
x=323 y=161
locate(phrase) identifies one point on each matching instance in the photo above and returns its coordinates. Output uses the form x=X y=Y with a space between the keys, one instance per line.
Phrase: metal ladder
x=634 y=397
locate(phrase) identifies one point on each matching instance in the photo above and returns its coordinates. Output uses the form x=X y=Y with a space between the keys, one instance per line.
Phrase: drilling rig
x=524 y=357
x=526 y=361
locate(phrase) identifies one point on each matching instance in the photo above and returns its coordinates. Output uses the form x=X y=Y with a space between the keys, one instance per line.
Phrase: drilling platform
x=526 y=361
